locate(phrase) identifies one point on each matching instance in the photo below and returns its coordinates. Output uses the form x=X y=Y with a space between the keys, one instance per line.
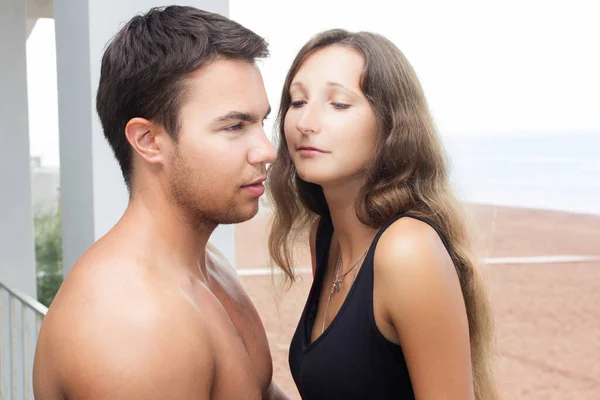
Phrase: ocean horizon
x=554 y=172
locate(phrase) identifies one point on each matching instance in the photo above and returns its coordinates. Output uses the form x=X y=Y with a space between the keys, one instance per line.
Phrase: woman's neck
x=352 y=236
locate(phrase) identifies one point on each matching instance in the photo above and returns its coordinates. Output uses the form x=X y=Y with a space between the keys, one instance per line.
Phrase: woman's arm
x=422 y=300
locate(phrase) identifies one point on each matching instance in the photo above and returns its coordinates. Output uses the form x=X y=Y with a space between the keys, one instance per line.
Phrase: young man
x=152 y=310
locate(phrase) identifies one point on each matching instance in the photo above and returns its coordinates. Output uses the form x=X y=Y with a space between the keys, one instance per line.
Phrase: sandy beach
x=547 y=315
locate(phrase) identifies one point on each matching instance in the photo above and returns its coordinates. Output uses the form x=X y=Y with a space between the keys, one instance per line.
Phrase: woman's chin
x=315 y=177
x=321 y=178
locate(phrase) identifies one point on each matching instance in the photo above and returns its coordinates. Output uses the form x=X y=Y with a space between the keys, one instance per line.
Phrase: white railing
x=20 y=321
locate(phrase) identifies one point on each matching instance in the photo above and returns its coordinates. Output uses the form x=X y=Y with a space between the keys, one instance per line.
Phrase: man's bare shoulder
x=217 y=256
x=226 y=273
x=114 y=331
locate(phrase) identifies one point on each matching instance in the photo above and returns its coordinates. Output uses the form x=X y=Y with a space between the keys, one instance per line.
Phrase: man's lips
x=258 y=181
x=256 y=188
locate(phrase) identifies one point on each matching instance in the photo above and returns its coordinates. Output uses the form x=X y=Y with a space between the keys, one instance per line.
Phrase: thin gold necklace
x=336 y=286
x=337 y=282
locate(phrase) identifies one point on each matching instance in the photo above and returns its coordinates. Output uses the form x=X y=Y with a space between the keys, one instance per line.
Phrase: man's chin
x=241 y=215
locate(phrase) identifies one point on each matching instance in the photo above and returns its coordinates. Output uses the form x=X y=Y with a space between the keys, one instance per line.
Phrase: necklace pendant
x=336 y=287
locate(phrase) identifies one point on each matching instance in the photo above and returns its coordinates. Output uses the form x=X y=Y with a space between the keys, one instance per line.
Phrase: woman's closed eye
x=340 y=106
x=335 y=104
x=297 y=103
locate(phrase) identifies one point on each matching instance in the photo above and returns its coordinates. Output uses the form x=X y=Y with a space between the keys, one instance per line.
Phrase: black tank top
x=351 y=359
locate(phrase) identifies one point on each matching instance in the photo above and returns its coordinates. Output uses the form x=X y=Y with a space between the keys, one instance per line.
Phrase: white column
x=17 y=257
x=93 y=195
x=17 y=250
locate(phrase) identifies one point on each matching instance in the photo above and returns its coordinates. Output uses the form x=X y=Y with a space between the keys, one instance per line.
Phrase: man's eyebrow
x=237 y=116
x=241 y=116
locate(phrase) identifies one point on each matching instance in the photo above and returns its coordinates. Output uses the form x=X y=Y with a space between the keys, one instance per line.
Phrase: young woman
x=397 y=308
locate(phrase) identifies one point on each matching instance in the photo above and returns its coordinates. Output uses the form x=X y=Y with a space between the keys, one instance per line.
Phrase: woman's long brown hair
x=409 y=173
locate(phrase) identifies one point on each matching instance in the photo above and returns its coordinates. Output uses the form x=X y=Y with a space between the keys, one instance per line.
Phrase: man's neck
x=169 y=235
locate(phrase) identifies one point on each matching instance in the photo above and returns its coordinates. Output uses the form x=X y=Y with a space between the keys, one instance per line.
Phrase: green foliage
x=48 y=254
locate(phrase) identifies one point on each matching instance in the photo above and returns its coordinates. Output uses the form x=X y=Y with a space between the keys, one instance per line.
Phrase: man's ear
x=146 y=139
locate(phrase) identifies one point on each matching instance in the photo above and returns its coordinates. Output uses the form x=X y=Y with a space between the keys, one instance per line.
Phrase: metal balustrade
x=20 y=321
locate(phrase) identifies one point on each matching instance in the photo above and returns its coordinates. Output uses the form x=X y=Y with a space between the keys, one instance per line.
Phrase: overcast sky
x=511 y=67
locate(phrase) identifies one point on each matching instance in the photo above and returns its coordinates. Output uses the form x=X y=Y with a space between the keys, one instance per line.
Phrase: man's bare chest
x=239 y=335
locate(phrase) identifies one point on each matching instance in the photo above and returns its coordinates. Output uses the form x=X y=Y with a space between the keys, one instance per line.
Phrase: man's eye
x=233 y=128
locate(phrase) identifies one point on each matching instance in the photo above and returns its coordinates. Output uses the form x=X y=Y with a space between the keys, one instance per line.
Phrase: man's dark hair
x=144 y=68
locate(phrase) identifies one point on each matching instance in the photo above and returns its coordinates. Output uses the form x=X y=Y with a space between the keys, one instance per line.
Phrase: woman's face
x=330 y=127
